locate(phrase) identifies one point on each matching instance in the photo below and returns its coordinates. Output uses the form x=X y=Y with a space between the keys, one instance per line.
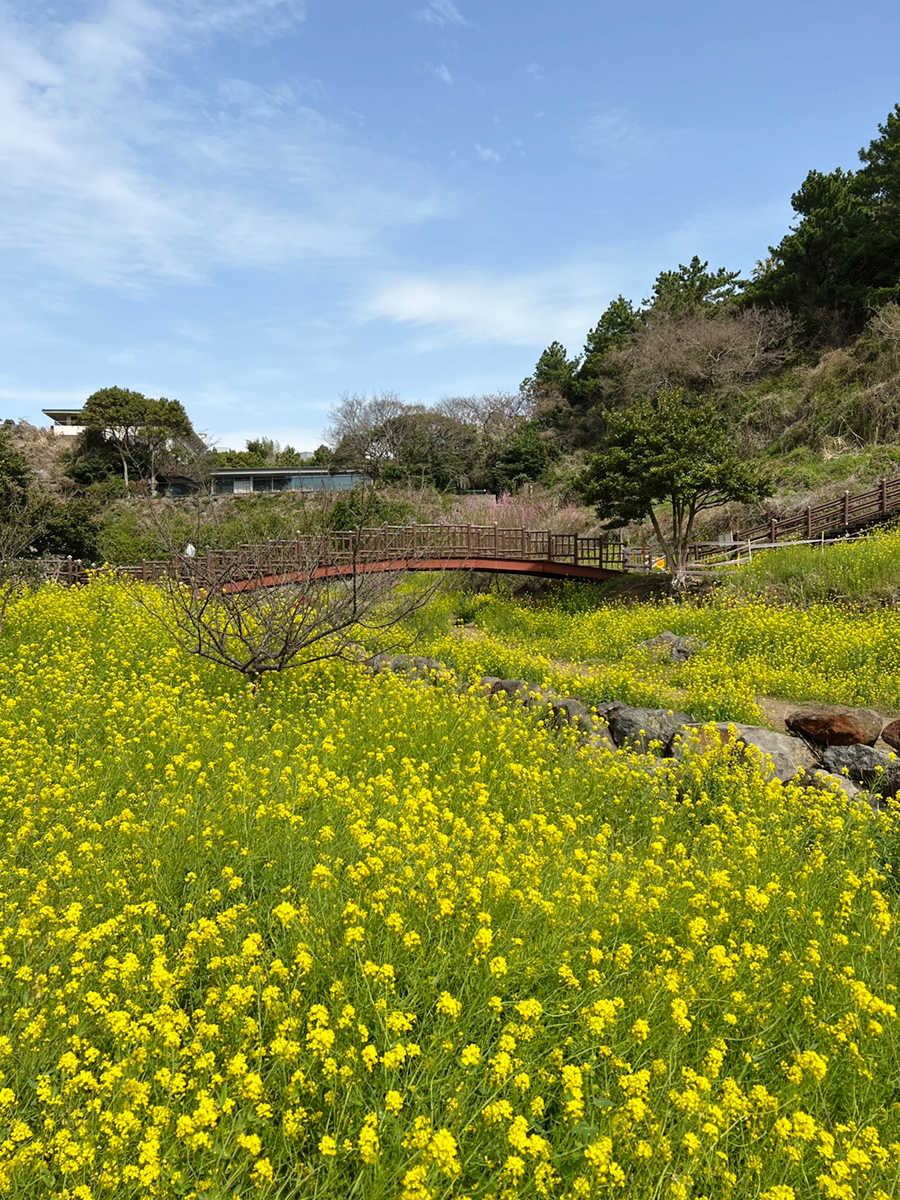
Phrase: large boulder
x=824 y=781
x=697 y=736
x=788 y=755
x=567 y=710
x=671 y=645
x=599 y=740
x=637 y=728
x=513 y=689
x=874 y=769
x=835 y=724
x=891 y=734
x=418 y=666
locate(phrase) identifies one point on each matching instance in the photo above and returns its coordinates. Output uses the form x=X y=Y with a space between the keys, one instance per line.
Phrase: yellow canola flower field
x=823 y=652
x=354 y=936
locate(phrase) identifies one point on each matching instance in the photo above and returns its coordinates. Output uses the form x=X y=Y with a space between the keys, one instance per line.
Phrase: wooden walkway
x=390 y=548
x=848 y=514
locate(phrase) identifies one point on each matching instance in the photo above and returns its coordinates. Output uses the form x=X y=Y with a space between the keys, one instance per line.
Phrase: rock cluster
x=830 y=746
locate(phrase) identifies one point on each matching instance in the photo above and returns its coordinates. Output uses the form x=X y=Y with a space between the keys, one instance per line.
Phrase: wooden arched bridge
x=481 y=548
x=393 y=548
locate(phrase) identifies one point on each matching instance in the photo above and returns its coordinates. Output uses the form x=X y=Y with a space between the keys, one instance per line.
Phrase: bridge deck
x=394 y=548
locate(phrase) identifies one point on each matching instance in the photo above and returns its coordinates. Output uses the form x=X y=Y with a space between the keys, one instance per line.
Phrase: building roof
x=56 y=414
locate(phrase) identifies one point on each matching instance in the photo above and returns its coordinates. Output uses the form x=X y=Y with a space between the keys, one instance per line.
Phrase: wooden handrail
x=849 y=511
x=400 y=545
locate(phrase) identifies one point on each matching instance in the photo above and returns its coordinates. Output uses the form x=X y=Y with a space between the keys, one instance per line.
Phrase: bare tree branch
x=267 y=607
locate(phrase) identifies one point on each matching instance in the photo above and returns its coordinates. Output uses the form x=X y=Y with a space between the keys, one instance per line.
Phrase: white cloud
x=618 y=140
x=43 y=397
x=534 y=71
x=440 y=12
x=112 y=172
x=477 y=306
x=263 y=18
x=443 y=74
x=486 y=154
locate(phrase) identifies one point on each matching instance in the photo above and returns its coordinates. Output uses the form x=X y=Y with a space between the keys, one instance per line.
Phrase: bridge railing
x=402 y=544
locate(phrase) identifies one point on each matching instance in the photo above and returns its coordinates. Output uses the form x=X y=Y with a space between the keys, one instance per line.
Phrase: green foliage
x=93 y=462
x=864 y=573
x=15 y=476
x=262 y=452
x=367 y=507
x=523 y=457
x=674 y=449
x=139 y=427
x=842 y=258
x=693 y=289
x=70 y=527
x=553 y=376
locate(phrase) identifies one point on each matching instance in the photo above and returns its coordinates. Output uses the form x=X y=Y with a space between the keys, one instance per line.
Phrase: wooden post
x=809 y=523
x=846 y=509
x=575 y=549
x=884 y=502
x=495 y=539
x=69 y=569
x=773 y=530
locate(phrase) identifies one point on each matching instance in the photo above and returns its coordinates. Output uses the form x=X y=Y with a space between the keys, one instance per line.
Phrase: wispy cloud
x=478 y=306
x=443 y=74
x=440 y=12
x=486 y=154
x=111 y=172
x=264 y=18
x=534 y=71
x=618 y=140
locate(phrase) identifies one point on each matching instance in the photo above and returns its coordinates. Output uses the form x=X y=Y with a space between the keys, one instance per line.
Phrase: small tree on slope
x=672 y=449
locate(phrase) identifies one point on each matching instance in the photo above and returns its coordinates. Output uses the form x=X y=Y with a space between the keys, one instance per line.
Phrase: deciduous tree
x=273 y=605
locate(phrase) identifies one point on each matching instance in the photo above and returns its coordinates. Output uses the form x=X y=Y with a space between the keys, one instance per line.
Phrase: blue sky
x=254 y=206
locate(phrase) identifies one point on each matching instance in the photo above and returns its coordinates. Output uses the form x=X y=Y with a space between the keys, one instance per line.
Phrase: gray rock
x=599 y=739
x=488 y=681
x=698 y=734
x=826 y=782
x=515 y=689
x=637 y=728
x=788 y=755
x=418 y=666
x=835 y=724
x=671 y=645
x=569 y=711
x=874 y=769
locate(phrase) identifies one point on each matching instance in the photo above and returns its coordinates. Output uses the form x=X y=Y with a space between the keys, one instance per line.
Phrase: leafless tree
x=493 y=416
x=266 y=607
x=24 y=519
x=704 y=353
x=355 y=431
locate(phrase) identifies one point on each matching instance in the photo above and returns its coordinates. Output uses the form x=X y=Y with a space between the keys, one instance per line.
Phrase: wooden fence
x=461 y=547
x=850 y=511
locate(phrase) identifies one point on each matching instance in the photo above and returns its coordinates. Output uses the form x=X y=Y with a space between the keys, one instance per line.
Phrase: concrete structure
x=245 y=481
x=66 y=421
